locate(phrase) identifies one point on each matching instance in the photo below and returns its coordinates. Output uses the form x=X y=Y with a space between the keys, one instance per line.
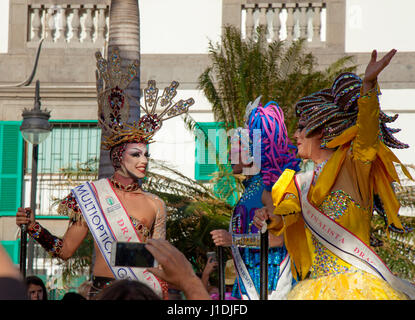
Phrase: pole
x=33 y=189
x=221 y=274
x=23 y=249
x=264 y=266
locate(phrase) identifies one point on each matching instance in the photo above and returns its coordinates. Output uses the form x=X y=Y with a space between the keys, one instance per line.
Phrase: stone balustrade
x=67 y=23
x=286 y=21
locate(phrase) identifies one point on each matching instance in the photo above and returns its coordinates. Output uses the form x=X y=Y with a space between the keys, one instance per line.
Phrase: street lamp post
x=35 y=129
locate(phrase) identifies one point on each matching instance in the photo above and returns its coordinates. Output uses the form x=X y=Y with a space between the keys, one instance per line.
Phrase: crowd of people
x=319 y=221
x=175 y=270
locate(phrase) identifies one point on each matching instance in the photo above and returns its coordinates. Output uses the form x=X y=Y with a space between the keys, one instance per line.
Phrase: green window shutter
x=206 y=141
x=11 y=169
x=13 y=249
x=205 y=166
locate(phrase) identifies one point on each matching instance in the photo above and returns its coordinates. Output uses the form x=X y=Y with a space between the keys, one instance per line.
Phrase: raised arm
x=176 y=269
x=374 y=68
x=365 y=145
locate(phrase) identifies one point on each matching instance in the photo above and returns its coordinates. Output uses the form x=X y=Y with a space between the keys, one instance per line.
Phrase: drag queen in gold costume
x=325 y=215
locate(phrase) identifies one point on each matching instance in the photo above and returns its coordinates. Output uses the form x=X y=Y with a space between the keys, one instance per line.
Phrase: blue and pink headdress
x=267 y=130
x=277 y=151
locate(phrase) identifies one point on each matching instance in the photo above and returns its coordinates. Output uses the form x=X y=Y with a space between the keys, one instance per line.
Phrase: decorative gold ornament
x=114 y=103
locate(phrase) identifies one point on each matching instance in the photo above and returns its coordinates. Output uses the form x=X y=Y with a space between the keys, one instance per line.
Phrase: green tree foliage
x=193 y=211
x=398 y=249
x=241 y=70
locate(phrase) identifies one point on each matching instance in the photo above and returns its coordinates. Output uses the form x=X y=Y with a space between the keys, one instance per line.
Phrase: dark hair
x=72 y=296
x=38 y=282
x=127 y=290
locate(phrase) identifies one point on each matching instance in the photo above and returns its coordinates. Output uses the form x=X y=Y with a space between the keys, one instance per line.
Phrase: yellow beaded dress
x=343 y=189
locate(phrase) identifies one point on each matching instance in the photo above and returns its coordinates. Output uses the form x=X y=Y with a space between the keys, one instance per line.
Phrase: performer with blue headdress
x=261 y=151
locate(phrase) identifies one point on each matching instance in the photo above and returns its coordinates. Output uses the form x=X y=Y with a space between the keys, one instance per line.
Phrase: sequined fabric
x=334 y=206
x=337 y=203
x=354 y=285
x=141 y=229
x=49 y=242
x=317 y=170
x=325 y=262
x=69 y=207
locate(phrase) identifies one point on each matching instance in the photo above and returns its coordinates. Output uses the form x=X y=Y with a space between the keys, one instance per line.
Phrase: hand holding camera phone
x=211 y=254
x=131 y=254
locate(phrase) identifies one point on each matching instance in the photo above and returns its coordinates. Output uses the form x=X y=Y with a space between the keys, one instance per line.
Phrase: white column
x=49 y=25
x=250 y=8
x=36 y=25
x=303 y=20
x=290 y=21
x=101 y=23
x=276 y=23
x=61 y=25
x=317 y=23
x=89 y=24
x=75 y=23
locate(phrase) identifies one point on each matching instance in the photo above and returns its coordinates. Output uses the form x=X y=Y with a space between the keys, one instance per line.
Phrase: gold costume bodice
x=337 y=206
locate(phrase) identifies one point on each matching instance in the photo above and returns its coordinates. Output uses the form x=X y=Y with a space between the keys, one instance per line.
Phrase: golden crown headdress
x=114 y=107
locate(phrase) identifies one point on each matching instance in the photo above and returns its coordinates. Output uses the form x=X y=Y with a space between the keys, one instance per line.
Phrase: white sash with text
x=109 y=222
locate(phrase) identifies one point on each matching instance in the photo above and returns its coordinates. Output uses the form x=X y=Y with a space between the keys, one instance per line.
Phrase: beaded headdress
x=335 y=109
x=114 y=106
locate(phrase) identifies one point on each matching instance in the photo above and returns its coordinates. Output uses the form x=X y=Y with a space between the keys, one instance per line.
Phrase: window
x=211 y=150
x=71 y=151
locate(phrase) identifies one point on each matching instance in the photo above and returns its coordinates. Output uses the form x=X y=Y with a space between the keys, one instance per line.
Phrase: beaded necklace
x=127 y=188
x=317 y=170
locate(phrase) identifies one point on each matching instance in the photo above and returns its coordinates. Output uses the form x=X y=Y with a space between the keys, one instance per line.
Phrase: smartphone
x=131 y=254
x=211 y=254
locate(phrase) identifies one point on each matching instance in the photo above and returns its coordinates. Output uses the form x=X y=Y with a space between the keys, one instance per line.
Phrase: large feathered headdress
x=114 y=103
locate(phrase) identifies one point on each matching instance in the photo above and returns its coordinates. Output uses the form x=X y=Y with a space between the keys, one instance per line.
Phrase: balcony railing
x=286 y=21
x=68 y=24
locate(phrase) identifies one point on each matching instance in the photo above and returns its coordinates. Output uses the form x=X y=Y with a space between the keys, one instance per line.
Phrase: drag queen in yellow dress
x=325 y=213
